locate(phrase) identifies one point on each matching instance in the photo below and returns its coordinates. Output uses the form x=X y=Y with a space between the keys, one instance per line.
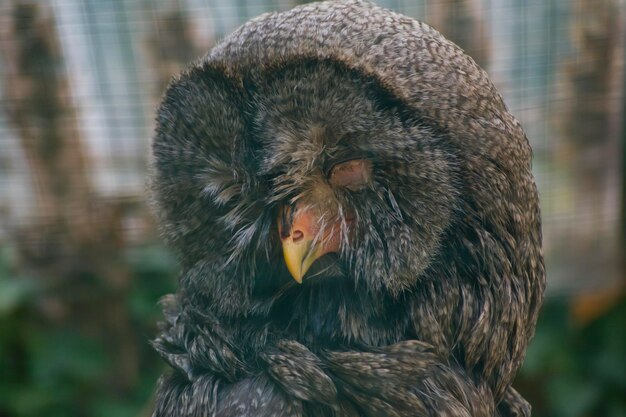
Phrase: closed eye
x=354 y=174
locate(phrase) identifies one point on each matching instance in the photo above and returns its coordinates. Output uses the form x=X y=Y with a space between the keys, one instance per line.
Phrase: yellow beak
x=299 y=256
x=298 y=228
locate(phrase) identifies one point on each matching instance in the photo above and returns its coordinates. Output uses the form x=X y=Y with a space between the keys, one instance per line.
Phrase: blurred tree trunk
x=623 y=161
x=38 y=104
x=620 y=128
x=593 y=127
x=173 y=42
x=461 y=22
x=73 y=245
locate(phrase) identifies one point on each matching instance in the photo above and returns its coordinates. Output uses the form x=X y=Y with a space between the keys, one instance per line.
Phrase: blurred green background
x=81 y=263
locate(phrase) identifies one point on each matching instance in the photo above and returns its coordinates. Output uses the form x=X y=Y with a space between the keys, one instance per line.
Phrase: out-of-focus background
x=81 y=263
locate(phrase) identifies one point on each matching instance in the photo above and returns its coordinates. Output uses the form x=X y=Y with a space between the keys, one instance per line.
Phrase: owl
x=356 y=222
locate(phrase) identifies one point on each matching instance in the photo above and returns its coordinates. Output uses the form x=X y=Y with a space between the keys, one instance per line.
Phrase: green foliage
x=573 y=370
x=67 y=368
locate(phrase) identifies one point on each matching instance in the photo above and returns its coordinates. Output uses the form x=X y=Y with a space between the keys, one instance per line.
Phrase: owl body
x=428 y=278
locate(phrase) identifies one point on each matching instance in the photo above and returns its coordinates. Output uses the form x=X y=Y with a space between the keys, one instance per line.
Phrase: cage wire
x=80 y=81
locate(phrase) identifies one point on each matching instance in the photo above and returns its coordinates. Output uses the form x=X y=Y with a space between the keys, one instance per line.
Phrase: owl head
x=319 y=146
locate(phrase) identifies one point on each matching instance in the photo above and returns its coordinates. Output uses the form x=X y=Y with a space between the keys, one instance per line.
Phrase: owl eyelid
x=340 y=158
x=353 y=174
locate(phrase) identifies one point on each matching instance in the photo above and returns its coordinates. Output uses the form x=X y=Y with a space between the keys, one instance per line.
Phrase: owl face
x=311 y=171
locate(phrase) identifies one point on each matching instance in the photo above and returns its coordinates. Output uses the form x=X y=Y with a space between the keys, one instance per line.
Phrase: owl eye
x=354 y=174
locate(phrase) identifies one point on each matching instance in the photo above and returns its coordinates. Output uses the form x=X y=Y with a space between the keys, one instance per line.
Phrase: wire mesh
x=558 y=64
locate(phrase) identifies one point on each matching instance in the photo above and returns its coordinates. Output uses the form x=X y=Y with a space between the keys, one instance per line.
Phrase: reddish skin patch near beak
x=298 y=227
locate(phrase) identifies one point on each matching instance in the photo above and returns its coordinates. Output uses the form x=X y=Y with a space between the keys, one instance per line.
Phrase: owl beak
x=298 y=229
